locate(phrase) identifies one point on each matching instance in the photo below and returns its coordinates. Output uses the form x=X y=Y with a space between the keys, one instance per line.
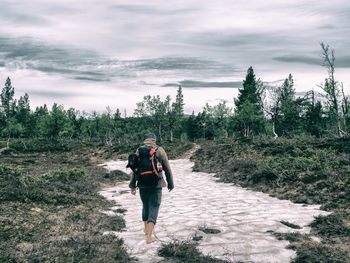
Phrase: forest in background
x=259 y=110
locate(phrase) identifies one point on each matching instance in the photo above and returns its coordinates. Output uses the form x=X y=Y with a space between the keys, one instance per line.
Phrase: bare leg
x=145 y=229
x=150 y=227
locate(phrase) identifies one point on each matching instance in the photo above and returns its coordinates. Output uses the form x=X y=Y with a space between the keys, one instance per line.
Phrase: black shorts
x=151 y=199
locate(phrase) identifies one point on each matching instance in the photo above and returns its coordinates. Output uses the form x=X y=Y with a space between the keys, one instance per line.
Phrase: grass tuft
x=291 y=225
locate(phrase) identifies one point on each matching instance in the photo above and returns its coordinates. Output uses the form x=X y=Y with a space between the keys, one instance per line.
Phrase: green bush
x=185 y=251
x=335 y=224
x=263 y=176
x=39 y=145
x=311 y=252
x=69 y=175
x=8 y=172
x=60 y=187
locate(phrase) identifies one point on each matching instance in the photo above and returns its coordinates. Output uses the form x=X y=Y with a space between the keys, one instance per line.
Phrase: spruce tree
x=7 y=98
x=249 y=117
x=250 y=92
x=178 y=106
x=289 y=108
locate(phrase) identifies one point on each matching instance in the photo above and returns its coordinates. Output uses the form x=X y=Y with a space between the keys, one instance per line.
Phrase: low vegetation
x=185 y=251
x=209 y=230
x=50 y=207
x=302 y=169
x=49 y=203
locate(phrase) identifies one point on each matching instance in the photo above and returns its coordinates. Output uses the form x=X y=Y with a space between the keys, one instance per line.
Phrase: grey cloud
x=24 y=13
x=30 y=50
x=92 y=79
x=299 y=59
x=174 y=63
x=10 y=14
x=75 y=63
x=27 y=19
x=233 y=40
x=241 y=48
x=326 y=27
x=203 y=84
x=76 y=74
x=341 y=62
x=51 y=94
x=142 y=82
x=187 y=67
x=65 y=71
x=2 y=64
x=149 y=10
x=60 y=8
x=86 y=65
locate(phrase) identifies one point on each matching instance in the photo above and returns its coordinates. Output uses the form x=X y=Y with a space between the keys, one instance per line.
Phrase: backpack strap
x=153 y=153
x=160 y=167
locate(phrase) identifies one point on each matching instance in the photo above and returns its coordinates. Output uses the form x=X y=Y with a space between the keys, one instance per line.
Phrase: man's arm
x=132 y=184
x=166 y=167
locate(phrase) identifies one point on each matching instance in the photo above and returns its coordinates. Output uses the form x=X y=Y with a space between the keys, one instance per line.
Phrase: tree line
x=258 y=110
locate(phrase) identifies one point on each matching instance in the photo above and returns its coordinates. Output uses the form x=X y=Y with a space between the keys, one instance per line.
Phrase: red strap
x=154 y=168
x=147 y=172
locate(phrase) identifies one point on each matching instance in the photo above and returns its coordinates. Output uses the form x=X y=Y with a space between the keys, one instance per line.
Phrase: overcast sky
x=96 y=53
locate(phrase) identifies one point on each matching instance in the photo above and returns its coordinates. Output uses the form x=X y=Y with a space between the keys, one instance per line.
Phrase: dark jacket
x=163 y=159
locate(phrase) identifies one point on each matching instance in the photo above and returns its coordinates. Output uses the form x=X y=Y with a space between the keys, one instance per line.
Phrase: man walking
x=151 y=193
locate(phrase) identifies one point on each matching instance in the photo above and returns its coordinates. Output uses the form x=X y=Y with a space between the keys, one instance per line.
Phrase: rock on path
x=242 y=216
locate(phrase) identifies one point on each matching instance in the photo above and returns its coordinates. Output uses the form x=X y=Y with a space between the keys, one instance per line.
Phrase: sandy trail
x=242 y=216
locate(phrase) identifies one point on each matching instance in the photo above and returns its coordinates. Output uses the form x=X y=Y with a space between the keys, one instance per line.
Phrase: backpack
x=148 y=167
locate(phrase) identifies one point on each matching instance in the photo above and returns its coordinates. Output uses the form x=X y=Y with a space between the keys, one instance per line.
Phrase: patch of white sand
x=198 y=200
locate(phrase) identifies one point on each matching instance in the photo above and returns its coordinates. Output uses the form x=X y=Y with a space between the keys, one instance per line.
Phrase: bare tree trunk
x=273 y=129
x=160 y=131
x=345 y=108
x=336 y=109
x=247 y=130
x=171 y=134
x=331 y=88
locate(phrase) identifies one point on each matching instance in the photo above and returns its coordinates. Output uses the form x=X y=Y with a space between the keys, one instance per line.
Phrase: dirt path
x=242 y=216
x=188 y=154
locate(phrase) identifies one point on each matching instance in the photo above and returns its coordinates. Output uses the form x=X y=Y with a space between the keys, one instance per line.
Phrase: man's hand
x=133 y=191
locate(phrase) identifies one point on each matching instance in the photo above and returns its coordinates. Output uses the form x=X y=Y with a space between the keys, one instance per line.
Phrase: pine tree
x=313 y=116
x=178 y=106
x=23 y=109
x=249 y=117
x=7 y=100
x=55 y=122
x=289 y=112
x=23 y=113
x=250 y=92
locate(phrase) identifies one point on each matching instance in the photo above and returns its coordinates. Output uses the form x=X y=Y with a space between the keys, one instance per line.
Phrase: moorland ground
x=303 y=170
x=51 y=209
